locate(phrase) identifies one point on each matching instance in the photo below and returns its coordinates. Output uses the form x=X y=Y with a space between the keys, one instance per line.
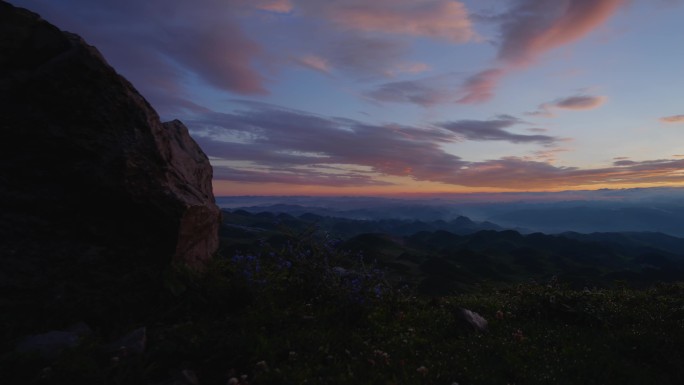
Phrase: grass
x=308 y=312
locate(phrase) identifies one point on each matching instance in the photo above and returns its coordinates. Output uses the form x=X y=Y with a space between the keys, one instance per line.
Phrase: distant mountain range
x=459 y=255
x=634 y=210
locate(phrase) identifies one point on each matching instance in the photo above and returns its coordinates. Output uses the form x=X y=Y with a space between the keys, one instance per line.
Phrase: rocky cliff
x=88 y=172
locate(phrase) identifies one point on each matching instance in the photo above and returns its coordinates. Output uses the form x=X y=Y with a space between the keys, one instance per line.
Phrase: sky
x=385 y=97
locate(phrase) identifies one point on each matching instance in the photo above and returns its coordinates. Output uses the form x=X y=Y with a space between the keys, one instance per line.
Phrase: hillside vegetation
x=287 y=303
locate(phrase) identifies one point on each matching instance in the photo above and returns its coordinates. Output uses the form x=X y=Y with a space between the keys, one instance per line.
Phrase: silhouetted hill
x=457 y=255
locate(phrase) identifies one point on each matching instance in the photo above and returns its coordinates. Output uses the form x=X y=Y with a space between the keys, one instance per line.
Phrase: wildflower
x=499 y=315
x=382 y=355
x=262 y=365
x=422 y=370
x=46 y=372
x=232 y=381
x=518 y=335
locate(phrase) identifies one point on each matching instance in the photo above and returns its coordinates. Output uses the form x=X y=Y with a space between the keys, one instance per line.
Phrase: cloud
x=531 y=28
x=673 y=119
x=366 y=56
x=479 y=88
x=536 y=26
x=438 y=19
x=168 y=48
x=262 y=143
x=159 y=44
x=577 y=102
x=517 y=173
x=424 y=92
x=314 y=62
x=482 y=130
x=268 y=136
x=297 y=177
x=278 y=6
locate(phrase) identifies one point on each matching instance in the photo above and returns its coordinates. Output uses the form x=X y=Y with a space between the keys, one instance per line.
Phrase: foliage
x=305 y=311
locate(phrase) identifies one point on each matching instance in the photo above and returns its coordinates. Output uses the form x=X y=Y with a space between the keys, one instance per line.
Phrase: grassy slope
x=302 y=310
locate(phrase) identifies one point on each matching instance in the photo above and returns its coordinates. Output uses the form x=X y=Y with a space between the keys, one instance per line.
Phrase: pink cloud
x=479 y=88
x=439 y=19
x=673 y=119
x=577 y=102
x=537 y=26
x=278 y=6
x=314 y=62
x=533 y=27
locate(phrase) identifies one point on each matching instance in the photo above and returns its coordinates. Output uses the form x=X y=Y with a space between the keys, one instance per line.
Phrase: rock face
x=87 y=169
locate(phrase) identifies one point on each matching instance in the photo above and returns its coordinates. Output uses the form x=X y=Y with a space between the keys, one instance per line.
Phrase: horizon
x=406 y=97
x=479 y=195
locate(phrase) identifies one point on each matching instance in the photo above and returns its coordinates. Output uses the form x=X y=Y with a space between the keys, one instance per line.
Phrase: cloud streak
x=576 y=103
x=483 y=130
x=437 y=19
x=673 y=119
x=262 y=143
x=425 y=92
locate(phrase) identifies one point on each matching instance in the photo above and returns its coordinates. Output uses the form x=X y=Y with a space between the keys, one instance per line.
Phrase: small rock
x=476 y=321
x=132 y=343
x=50 y=344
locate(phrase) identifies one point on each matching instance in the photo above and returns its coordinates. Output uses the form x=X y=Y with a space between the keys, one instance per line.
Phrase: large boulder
x=88 y=172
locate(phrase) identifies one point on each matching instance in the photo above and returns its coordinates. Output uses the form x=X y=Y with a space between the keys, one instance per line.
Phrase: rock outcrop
x=87 y=170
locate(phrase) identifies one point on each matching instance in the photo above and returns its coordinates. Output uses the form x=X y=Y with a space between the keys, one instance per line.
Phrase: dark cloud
x=517 y=173
x=267 y=136
x=160 y=44
x=424 y=92
x=481 y=130
x=263 y=143
x=624 y=162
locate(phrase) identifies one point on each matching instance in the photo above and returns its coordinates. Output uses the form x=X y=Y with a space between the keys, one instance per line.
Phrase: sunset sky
x=380 y=97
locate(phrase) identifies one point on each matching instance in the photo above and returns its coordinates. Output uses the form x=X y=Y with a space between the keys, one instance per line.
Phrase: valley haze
x=606 y=210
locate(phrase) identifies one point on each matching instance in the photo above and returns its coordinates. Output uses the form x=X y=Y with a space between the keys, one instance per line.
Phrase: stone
x=88 y=172
x=473 y=319
x=52 y=343
x=134 y=343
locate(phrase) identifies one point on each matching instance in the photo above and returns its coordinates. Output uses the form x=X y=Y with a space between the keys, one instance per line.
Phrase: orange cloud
x=673 y=119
